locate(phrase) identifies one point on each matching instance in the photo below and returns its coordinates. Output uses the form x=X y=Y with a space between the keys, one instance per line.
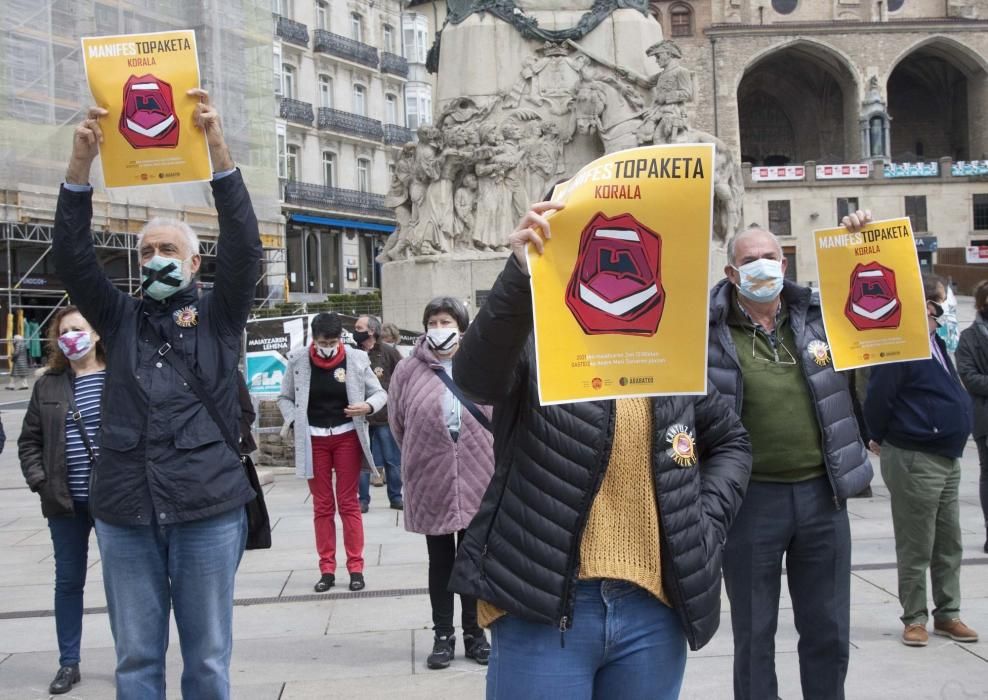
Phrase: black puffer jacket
x=521 y=552
x=846 y=459
x=162 y=457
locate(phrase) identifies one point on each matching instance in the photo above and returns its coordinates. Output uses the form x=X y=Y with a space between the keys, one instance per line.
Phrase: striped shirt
x=88 y=392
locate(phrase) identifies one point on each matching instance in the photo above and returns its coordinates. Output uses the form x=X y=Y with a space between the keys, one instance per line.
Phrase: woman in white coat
x=328 y=392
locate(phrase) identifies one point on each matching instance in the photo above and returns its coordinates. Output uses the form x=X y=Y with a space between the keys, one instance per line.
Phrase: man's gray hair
x=754 y=228
x=373 y=325
x=191 y=239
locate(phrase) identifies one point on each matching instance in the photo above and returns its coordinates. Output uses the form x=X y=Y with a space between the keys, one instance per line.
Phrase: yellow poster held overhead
x=871 y=291
x=142 y=80
x=620 y=295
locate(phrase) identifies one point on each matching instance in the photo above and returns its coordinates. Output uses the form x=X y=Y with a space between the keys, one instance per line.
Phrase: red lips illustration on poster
x=148 y=119
x=616 y=286
x=873 y=301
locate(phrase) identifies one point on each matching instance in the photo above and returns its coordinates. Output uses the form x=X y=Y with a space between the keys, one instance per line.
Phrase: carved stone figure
x=494 y=194
x=671 y=88
x=465 y=204
x=399 y=199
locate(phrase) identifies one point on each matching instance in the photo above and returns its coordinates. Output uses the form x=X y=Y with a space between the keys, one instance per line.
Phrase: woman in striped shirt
x=57 y=458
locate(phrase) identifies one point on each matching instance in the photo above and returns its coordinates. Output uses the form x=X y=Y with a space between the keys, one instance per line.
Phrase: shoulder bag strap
x=467 y=403
x=76 y=416
x=179 y=364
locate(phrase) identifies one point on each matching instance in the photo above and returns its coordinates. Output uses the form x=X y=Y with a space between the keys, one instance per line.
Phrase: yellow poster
x=142 y=80
x=871 y=291
x=621 y=293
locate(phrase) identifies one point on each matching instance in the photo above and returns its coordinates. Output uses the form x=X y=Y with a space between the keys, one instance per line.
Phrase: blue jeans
x=146 y=570
x=386 y=453
x=70 y=539
x=623 y=644
x=799 y=522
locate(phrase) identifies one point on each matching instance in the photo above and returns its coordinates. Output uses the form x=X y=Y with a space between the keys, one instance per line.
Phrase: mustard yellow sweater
x=621 y=539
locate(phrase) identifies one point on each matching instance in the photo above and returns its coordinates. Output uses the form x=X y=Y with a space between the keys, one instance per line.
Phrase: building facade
x=43 y=97
x=838 y=104
x=341 y=97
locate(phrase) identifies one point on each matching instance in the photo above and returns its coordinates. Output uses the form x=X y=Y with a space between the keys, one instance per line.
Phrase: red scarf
x=322 y=363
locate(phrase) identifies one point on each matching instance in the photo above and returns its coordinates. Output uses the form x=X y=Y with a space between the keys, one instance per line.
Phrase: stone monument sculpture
x=561 y=82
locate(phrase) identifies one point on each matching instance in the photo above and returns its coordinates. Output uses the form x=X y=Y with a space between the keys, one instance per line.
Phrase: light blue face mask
x=761 y=280
x=162 y=277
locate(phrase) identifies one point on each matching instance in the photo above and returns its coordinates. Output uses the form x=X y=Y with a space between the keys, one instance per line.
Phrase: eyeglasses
x=776 y=359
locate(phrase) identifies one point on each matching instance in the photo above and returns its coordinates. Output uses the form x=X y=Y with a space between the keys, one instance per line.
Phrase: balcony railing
x=296 y=111
x=292 y=31
x=308 y=194
x=349 y=123
x=395 y=135
x=394 y=64
x=345 y=47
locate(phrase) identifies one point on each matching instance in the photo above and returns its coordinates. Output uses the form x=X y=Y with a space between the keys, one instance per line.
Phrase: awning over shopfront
x=342 y=223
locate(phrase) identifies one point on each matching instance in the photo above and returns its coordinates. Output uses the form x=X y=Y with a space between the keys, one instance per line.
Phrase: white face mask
x=328 y=353
x=761 y=280
x=75 y=344
x=443 y=340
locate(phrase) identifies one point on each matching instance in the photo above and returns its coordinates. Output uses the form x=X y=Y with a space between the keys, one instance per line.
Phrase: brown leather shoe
x=915 y=635
x=956 y=630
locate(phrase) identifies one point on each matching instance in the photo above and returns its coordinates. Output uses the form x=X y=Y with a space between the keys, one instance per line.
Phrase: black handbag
x=258 y=520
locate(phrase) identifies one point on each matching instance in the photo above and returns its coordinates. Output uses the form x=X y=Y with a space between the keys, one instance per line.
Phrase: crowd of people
x=590 y=539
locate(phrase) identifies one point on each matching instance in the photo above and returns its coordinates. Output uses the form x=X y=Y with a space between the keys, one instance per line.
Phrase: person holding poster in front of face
x=169 y=490
x=596 y=552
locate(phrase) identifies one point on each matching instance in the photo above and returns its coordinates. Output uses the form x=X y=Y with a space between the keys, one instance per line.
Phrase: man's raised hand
x=207 y=118
x=85 y=146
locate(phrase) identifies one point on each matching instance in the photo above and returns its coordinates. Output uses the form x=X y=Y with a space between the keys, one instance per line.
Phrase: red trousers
x=340 y=454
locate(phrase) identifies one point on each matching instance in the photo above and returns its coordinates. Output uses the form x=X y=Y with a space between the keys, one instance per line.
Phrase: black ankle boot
x=325 y=583
x=66 y=677
x=477 y=648
x=443 y=651
x=357 y=582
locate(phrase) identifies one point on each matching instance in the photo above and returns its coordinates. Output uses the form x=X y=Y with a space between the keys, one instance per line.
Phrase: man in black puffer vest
x=769 y=355
x=573 y=485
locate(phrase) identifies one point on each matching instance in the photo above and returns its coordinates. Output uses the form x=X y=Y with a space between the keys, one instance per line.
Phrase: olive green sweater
x=777 y=408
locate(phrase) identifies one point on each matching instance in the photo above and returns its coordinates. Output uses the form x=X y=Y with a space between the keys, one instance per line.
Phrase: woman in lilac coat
x=447 y=460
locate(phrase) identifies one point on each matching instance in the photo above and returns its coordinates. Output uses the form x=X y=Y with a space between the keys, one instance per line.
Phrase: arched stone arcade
x=799 y=102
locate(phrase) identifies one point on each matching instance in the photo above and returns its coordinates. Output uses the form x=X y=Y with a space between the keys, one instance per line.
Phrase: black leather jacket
x=521 y=552
x=41 y=445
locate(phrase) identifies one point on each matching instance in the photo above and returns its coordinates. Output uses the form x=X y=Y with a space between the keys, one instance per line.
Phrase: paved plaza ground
x=292 y=643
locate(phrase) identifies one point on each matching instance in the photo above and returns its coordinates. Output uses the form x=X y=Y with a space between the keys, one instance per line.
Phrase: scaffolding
x=43 y=95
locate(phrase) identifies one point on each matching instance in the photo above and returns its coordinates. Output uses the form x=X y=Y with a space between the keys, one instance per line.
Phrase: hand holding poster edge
x=901 y=264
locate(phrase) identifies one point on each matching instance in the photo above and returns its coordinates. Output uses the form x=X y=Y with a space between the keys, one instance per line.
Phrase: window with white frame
x=415 y=27
x=390 y=109
x=282 y=140
x=356 y=26
x=388 y=38
x=288 y=81
x=322 y=15
x=292 y=162
x=360 y=100
x=418 y=105
x=282 y=7
x=363 y=174
x=277 y=69
x=325 y=91
x=329 y=168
